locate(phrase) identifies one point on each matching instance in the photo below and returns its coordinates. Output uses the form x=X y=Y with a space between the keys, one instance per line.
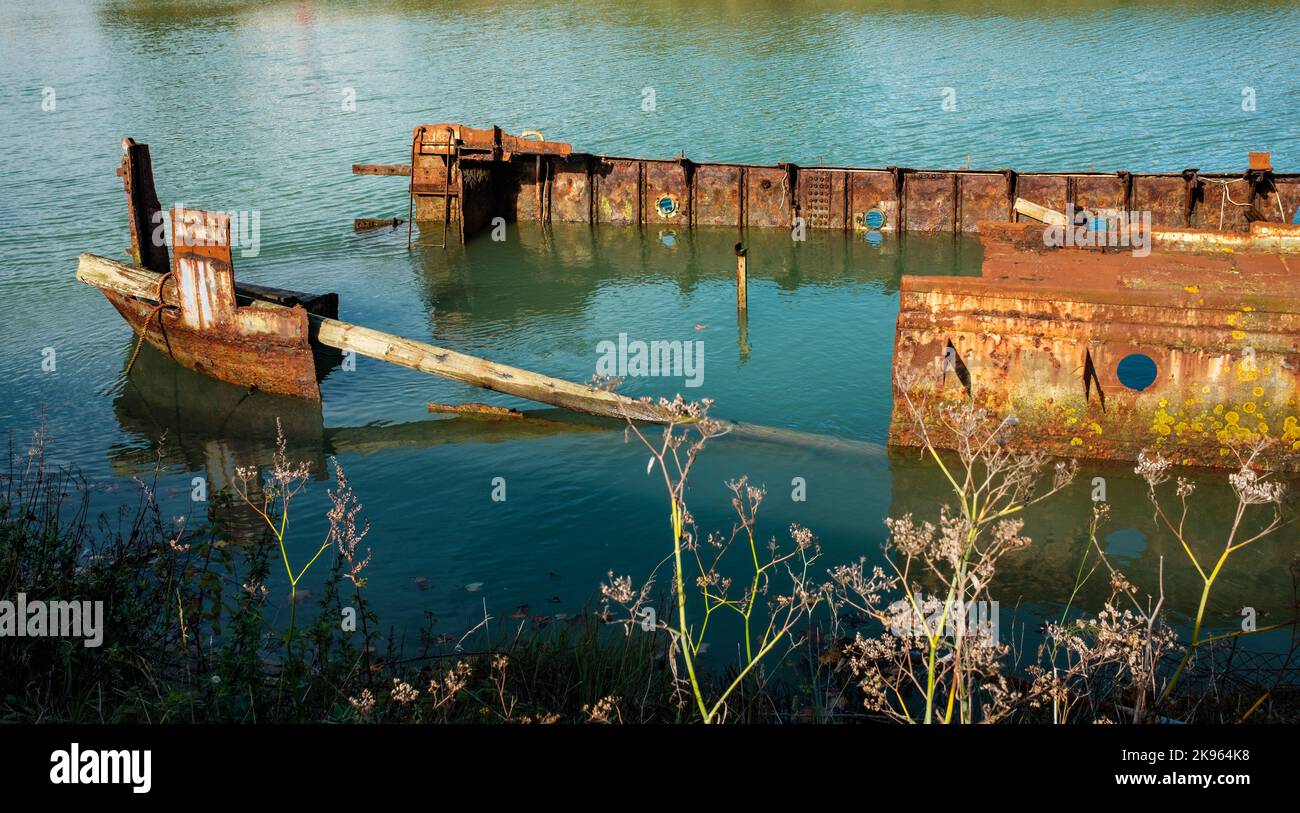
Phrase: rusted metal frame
x=496 y=143
x=956 y=202
x=688 y=173
x=640 y=194
x=1189 y=195
x=900 y=181
x=743 y=184
x=592 y=181
x=537 y=184
x=543 y=179
x=818 y=201
x=1258 y=179
x=446 y=184
x=549 y=167
x=1013 y=179
x=410 y=196
x=792 y=187
x=1103 y=307
x=847 y=224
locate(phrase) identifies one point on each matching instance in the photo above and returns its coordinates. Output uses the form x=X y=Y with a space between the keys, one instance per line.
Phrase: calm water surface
x=241 y=104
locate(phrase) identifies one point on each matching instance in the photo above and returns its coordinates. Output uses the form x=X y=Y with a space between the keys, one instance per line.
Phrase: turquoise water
x=242 y=105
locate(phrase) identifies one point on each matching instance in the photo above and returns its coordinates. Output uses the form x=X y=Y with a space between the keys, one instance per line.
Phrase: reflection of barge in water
x=1043 y=334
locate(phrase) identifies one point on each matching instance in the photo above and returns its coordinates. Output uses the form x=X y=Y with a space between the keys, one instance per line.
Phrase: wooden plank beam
x=1040 y=213
x=479 y=372
x=381 y=169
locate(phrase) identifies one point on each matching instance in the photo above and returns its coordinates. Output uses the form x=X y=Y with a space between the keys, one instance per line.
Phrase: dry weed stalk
x=926 y=646
x=674 y=454
x=1252 y=489
x=270 y=493
x=1116 y=653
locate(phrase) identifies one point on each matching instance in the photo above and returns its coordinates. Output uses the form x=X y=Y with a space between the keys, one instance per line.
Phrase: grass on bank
x=191 y=631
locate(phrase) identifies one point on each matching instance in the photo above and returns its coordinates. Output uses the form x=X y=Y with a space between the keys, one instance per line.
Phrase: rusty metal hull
x=278 y=360
x=199 y=316
x=473 y=176
x=1039 y=337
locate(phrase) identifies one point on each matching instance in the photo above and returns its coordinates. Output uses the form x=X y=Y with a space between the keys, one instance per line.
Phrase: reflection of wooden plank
x=1040 y=213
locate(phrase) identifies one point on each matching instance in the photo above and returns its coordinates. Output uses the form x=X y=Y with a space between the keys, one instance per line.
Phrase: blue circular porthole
x=666 y=205
x=874 y=219
x=1137 y=371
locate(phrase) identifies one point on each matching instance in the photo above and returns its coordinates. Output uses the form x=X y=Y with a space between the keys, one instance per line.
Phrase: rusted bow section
x=215 y=327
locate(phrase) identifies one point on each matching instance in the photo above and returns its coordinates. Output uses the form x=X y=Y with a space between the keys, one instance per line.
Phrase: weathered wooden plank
x=381 y=169
x=1040 y=213
x=447 y=363
x=370 y=223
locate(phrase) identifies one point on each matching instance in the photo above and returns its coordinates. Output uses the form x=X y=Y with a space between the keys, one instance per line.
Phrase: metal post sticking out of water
x=742 y=279
x=410 y=189
x=446 y=189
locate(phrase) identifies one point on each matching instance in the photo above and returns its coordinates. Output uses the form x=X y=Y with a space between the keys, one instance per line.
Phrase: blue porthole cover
x=666 y=205
x=1137 y=371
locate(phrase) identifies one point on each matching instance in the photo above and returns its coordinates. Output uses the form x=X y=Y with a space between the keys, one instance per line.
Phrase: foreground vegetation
x=192 y=634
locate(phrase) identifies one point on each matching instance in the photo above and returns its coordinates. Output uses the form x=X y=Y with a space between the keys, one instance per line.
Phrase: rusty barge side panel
x=1041 y=336
x=520 y=178
x=631 y=191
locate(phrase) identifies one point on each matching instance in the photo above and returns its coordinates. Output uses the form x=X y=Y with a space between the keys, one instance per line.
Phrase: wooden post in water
x=742 y=279
x=742 y=300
